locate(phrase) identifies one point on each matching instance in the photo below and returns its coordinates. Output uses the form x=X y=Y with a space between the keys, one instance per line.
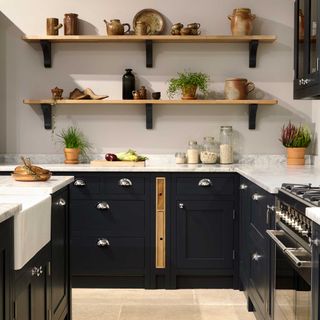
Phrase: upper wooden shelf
x=176 y=102
x=254 y=40
x=47 y=104
x=160 y=38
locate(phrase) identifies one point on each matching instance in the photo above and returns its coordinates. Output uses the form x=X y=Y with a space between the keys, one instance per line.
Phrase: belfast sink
x=32 y=226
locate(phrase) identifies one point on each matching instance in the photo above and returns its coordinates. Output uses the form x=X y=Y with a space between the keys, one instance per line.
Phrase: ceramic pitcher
x=241 y=22
x=237 y=89
x=115 y=27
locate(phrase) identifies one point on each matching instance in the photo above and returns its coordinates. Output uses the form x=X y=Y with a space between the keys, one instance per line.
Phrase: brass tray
x=151 y=17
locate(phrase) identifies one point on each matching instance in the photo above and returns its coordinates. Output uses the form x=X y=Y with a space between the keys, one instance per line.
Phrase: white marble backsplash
x=153 y=159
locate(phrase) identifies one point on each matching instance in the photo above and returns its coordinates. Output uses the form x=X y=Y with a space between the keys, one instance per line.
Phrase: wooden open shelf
x=254 y=40
x=47 y=104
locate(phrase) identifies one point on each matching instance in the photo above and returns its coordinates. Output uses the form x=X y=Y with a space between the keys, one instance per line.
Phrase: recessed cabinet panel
x=205 y=234
x=119 y=255
x=114 y=217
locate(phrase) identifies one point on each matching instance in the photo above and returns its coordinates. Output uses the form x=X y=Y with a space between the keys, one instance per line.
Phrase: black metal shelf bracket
x=46 y=49
x=149 y=53
x=149 y=116
x=253 y=108
x=47 y=115
x=253 y=48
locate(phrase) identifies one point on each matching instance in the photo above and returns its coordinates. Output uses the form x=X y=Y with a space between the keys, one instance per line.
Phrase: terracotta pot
x=295 y=156
x=241 y=22
x=71 y=155
x=189 y=93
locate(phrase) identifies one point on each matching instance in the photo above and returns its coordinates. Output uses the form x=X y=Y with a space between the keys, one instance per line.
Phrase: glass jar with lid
x=193 y=152
x=209 y=152
x=226 y=145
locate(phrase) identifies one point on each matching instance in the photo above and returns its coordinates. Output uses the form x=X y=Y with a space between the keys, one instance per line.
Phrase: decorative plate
x=151 y=17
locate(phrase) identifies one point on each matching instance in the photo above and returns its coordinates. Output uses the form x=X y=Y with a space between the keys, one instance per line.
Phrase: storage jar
x=193 y=152
x=226 y=145
x=209 y=152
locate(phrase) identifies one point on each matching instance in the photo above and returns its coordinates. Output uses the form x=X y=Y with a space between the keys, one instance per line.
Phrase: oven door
x=292 y=288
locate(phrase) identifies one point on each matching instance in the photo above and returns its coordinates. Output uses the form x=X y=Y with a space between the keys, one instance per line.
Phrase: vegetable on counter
x=130 y=155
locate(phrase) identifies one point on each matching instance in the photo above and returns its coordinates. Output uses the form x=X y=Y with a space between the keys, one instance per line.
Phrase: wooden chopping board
x=104 y=163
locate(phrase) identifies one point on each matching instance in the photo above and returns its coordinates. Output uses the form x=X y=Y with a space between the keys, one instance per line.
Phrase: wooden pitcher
x=53 y=26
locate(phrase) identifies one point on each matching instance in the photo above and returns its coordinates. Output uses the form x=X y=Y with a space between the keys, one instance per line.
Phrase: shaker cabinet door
x=205 y=234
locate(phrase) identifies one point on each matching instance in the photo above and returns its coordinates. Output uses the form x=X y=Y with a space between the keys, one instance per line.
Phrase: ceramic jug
x=241 y=22
x=114 y=27
x=237 y=89
x=70 y=24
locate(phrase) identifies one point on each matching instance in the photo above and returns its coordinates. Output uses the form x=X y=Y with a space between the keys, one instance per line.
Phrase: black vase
x=128 y=85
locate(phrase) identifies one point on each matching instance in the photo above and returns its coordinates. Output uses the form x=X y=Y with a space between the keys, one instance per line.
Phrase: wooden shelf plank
x=159 y=38
x=154 y=102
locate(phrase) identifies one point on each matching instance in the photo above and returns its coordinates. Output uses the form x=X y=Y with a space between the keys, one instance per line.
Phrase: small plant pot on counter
x=71 y=155
x=295 y=156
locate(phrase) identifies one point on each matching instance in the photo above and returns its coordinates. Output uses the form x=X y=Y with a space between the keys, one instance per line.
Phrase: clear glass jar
x=193 y=152
x=226 y=145
x=181 y=158
x=209 y=153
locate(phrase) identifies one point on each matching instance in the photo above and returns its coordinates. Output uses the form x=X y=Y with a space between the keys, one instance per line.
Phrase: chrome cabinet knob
x=256 y=197
x=34 y=271
x=256 y=257
x=181 y=205
x=125 y=182
x=205 y=183
x=243 y=186
x=61 y=202
x=103 y=243
x=103 y=206
x=79 y=183
x=271 y=208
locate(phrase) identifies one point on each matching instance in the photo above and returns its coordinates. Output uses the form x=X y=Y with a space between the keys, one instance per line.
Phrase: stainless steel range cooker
x=292 y=251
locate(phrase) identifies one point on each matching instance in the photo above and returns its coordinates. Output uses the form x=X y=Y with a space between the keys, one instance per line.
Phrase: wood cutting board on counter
x=104 y=163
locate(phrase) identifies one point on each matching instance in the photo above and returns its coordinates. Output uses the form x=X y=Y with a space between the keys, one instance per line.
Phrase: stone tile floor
x=139 y=304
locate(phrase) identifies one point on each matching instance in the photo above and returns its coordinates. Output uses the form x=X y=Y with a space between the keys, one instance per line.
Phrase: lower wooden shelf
x=48 y=104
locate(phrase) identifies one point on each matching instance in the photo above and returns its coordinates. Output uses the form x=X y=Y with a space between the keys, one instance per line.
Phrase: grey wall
x=100 y=67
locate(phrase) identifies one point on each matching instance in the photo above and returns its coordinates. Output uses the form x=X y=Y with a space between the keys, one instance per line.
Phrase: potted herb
x=188 y=83
x=75 y=143
x=296 y=140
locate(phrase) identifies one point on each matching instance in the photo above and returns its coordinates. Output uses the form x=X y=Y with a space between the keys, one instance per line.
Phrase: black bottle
x=128 y=85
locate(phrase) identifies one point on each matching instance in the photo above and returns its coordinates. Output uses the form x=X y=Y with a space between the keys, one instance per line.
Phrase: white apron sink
x=32 y=226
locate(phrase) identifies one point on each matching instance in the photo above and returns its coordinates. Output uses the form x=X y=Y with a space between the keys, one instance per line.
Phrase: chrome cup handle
x=79 y=183
x=103 y=243
x=205 y=183
x=103 y=206
x=125 y=182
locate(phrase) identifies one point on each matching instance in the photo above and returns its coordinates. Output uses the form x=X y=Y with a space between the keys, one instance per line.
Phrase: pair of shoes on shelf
x=77 y=94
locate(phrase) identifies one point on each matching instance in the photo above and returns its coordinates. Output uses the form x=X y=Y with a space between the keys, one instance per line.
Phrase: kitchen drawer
x=122 y=255
x=205 y=185
x=115 y=217
x=123 y=184
x=85 y=186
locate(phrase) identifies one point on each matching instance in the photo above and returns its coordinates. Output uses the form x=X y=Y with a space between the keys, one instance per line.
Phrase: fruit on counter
x=130 y=155
x=111 y=157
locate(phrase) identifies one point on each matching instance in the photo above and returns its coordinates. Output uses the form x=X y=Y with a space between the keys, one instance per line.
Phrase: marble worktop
x=268 y=176
x=9 y=186
x=8 y=210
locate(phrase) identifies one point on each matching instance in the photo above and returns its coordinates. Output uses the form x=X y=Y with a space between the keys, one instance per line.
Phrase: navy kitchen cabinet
x=315 y=278
x=256 y=217
x=6 y=262
x=203 y=222
x=32 y=288
x=110 y=234
x=60 y=266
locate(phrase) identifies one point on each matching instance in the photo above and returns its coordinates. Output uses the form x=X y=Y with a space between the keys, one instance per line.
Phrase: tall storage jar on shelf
x=128 y=85
x=226 y=145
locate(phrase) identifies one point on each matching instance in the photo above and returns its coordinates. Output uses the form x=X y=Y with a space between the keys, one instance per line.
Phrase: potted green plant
x=75 y=144
x=188 y=83
x=296 y=140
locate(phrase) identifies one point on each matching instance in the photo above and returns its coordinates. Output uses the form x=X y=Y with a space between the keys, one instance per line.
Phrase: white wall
x=100 y=67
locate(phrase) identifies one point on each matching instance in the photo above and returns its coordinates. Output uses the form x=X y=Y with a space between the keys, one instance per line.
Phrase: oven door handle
x=290 y=252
